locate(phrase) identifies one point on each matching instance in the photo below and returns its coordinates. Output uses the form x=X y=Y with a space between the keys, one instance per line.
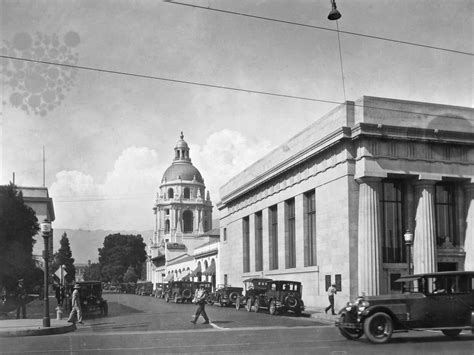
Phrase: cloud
x=124 y=200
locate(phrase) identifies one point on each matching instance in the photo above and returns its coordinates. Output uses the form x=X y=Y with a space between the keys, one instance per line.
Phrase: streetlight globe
x=45 y=226
x=408 y=236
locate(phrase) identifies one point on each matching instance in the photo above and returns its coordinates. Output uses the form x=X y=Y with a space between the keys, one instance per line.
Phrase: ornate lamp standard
x=408 y=236
x=334 y=14
x=45 y=228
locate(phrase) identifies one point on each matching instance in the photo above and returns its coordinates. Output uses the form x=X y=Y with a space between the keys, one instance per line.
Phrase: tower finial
x=182 y=135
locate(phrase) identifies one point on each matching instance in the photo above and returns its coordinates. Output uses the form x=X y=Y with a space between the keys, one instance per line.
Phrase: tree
x=130 y=275
x=118 y=253
x=64 y=257
x=18 y=226
x=92 y=272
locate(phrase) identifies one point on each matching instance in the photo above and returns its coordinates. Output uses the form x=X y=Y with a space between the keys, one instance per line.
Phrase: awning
x=184 y=276
x=211 y=270
x=197 y=271
x=169 y=277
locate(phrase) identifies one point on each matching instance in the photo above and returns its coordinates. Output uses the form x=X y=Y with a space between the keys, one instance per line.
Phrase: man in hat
x=200 y=297
x=21 y=298
x=76 y=306
x=331 y=292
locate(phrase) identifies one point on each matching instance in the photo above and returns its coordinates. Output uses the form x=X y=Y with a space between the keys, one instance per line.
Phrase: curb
x=32 y=331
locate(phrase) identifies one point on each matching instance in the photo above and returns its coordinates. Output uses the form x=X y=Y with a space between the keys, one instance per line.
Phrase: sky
x=135 y=74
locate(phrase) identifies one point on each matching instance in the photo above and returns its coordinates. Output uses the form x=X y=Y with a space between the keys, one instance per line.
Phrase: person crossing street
x=76 y=306
x=200 y=299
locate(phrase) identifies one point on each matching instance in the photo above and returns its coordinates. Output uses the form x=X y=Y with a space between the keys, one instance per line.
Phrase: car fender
x=371 y=310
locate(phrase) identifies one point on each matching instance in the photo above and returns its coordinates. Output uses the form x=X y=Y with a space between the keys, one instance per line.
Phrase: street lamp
x=334 y=14
x=408 y=236
x=45 y=228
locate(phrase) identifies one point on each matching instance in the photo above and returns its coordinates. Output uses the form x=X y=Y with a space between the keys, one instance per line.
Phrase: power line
x=340 y=60
x=322 y=28
x=215 y=86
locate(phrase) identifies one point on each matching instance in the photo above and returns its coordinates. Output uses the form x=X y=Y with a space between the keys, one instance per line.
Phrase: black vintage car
x=281 y=296
x=441 y=301
x=91 y=297
x=226 y=295
x=180 y=291
x=253 y=287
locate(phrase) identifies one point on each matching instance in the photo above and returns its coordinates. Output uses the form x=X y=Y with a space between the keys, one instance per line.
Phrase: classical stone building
x=332 y=204
x=183 y=219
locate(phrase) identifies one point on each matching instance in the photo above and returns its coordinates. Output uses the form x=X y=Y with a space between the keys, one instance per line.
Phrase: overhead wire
x=321 y=28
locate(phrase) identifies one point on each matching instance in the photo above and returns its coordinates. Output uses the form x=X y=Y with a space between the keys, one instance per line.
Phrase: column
x=469 y=238
x=369 y=233
x=424 y=243
x=265 y=242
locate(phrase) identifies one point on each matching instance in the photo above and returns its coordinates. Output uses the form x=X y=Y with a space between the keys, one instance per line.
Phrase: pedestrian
x=21 y=298
x=76 y=311
x=200 y=297
x=58 y=295
x=331 y=292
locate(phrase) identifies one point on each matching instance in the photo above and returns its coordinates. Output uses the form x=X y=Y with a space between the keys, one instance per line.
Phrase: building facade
x=333 y=203
x=183 y=218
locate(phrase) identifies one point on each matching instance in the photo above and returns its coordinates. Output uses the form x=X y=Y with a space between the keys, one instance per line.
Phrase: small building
x=332 y=204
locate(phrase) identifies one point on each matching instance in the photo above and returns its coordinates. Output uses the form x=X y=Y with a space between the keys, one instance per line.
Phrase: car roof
x=257 y=279
x=434 y=274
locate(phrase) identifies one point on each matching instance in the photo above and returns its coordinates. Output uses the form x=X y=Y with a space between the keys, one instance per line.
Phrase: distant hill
x=85 y=243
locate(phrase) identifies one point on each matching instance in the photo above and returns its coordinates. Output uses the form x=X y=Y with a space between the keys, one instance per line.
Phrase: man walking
x=76 y=306
x=200 y=299
x=21 y=298
x=331 y=292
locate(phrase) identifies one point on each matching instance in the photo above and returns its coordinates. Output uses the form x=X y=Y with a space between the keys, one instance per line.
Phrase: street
x=145 y=325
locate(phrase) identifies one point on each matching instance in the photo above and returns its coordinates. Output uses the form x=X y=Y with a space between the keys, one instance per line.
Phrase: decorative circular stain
x=22 y=41
x=72 y=39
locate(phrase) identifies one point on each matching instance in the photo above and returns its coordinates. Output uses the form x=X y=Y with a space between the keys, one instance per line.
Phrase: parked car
x=226 y=295
x=144 y=288
x=91 y=297
x=280 y=296
x=180 y=291
x=441 y=301
x=159 y=288
x=253 y=287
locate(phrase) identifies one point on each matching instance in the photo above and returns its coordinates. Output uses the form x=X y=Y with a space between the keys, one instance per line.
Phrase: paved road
x=143 y=325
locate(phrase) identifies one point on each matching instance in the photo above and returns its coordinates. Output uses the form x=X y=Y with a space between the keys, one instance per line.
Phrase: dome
x=185 y=170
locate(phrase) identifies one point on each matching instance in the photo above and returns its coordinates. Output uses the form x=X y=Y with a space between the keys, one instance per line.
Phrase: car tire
x=248 y=305
x=187 y=293
x=272 y=309
x=291 y=302
x=233 y=296
x=256 y=305
x=452 y=333
x=237 y=303
x=349 y=333
x=378 y=328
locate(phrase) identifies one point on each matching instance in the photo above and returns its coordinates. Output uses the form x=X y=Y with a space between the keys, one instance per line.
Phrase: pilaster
x=469 y=236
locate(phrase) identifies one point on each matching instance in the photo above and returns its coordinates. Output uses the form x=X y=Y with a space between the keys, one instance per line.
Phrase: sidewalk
x=318 y=314
x=27 y=327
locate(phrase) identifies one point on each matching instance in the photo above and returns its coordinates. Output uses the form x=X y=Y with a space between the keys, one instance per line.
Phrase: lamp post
x=408 y=236
x=334 y=14
x=45 y=228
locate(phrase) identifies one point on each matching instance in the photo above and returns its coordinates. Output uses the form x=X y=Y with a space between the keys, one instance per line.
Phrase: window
x=170 y=193
x=225 y=279
x=393 y=249
x=338 y=282
x=224 y=234
x=246 y=243
x=258 y=242
x=273 y=237
x=445 y=216
x=187 y=221
x=310 y=228
x=290 y=231
x=187 y=193
x=167 y=211
x=167 y=226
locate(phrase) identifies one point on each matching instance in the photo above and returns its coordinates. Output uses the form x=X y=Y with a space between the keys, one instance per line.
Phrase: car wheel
x=248 y=305
x=378 y=328
x=272 y=309
x=233 y=296
x=453 y=333
x=291 y=302
x=237 y=303
x=349 y=333
x=256 y=305
x=105 y=309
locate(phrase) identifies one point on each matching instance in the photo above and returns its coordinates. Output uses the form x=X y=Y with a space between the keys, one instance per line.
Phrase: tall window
x=310 y=228
x=225 y=234
x=187 y=221
x=246 y=243
x=187 y=192
x=170 y=193
x=258 y=242
x=273 y=237
x=445 y=216
x=393 y=249
x=290 y=231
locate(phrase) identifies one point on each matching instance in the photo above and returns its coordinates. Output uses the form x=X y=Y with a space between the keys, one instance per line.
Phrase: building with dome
x=183 y=221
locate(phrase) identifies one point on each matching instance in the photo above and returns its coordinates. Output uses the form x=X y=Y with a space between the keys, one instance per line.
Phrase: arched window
x=186 y=192
x=187 y=221
x=170 y=193
x=167 y=226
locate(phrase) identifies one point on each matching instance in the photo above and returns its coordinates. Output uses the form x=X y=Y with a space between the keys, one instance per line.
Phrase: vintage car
x=253 y=287
x=144 y=288
x=91 y=297
x=226 y=295
x=281 y=296
x=180 y=291
x=441 y=301
x=159 y=290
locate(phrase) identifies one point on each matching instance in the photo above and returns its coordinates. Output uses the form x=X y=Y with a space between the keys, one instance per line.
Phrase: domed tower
x=183 y=209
